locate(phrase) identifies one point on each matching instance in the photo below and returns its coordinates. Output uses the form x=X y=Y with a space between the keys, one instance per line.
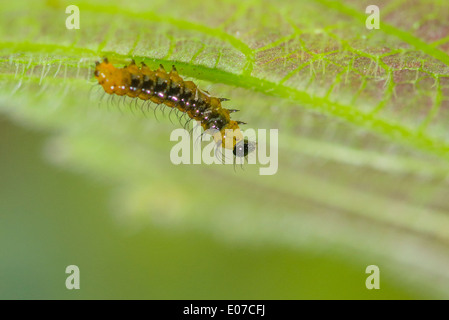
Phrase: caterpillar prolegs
x=170 y=89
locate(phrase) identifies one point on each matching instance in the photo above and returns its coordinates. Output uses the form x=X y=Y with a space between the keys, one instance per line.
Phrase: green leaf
x=362 y=118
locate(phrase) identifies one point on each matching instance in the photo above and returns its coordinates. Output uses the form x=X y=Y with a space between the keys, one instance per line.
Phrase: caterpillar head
x=243 y=148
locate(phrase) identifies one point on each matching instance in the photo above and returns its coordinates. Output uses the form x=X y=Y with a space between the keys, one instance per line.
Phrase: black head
x=243 y=148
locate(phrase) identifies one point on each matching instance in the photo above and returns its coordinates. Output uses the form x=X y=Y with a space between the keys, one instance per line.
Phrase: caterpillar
x=171 y=90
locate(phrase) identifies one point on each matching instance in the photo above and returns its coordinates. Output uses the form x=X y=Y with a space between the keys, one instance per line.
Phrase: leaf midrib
x=392 y=130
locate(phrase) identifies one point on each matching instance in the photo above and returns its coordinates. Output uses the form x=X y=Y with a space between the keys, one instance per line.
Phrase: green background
x=52 y=219
x=363 y=152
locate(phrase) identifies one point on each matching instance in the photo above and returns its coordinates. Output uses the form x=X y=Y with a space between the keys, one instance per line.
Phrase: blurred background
x=52 y=219
x=363 y=153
